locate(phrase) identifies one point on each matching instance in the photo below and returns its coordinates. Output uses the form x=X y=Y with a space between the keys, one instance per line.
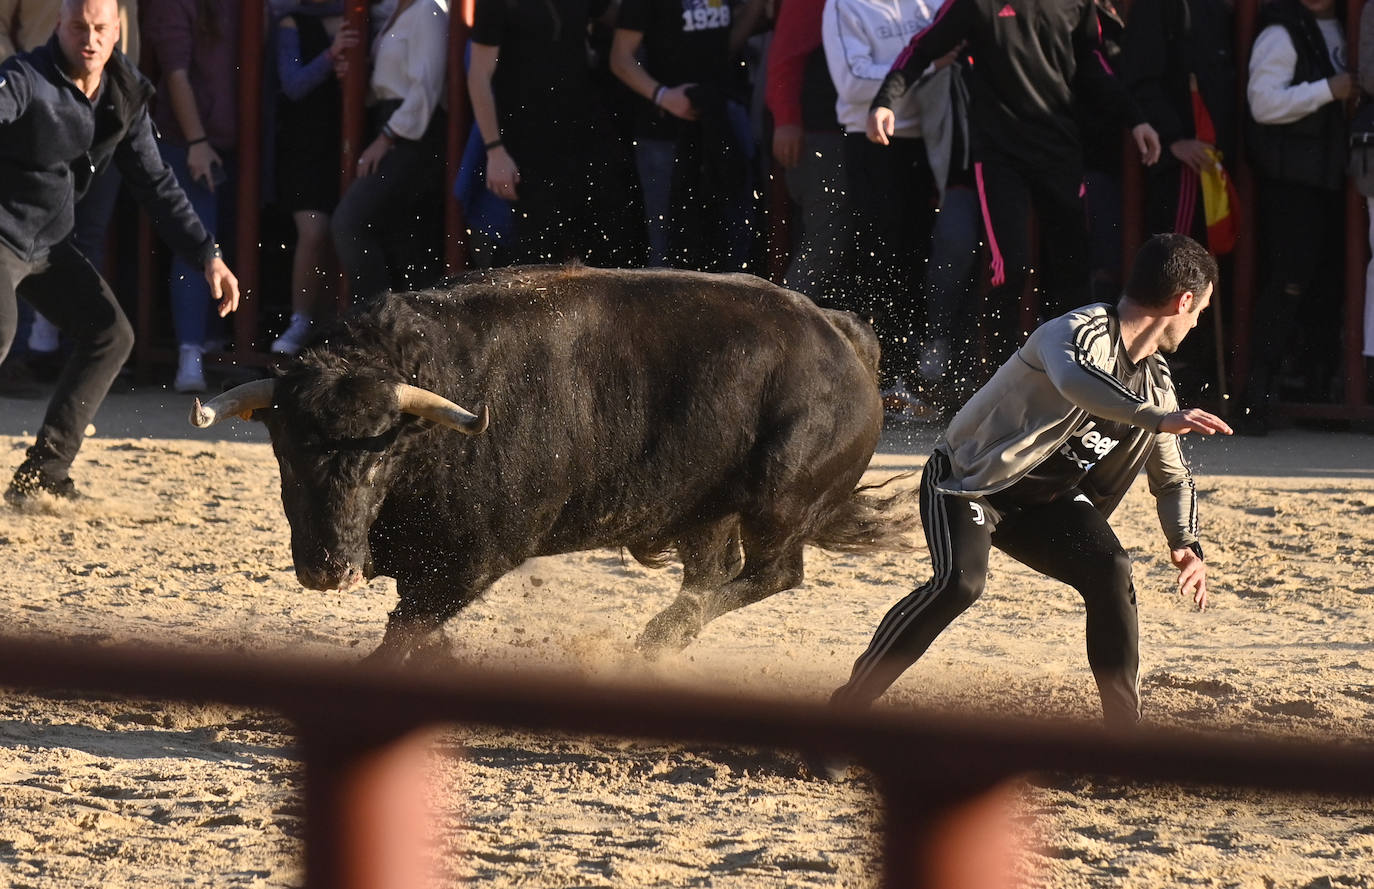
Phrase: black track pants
x=1068 y=540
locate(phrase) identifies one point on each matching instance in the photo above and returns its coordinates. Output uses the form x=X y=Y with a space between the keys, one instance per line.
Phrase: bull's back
x=628 y=404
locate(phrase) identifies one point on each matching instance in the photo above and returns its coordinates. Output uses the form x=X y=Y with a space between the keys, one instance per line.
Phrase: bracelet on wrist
x=658 y=95
x=198 y=141
x=388 y=132
x=494 y=143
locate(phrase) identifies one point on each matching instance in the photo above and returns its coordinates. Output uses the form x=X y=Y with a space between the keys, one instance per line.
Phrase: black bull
x=720 y=417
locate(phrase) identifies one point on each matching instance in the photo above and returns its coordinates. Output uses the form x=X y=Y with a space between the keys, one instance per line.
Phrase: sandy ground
x=185 y=544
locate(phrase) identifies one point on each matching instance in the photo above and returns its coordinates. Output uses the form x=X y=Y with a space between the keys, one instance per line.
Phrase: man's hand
x=1192 y=575
x=372 y=155
x=882 y=124
x=1342 y=86
x=1192 y=153
x=674 y=101
x=1193 y=420
x=224 y=287
x=502 y=173
x=201 y=160
x=1146 y=142
x=787 y=145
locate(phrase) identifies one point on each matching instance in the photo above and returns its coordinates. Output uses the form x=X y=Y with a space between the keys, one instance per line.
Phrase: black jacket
x=1030 y=57
x=1167 y=42
x=1312 y=150
x=53 y=142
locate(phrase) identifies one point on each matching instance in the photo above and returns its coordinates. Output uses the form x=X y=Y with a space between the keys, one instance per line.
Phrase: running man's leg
x=1070 y=541
x=958 y=532
x=70 y=292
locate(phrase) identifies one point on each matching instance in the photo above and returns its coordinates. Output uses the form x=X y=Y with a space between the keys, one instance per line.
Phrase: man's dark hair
x=1168 y=265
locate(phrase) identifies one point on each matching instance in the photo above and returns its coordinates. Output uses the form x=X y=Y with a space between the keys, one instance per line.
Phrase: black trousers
x=1009 y=190
x=892 y=194
x=1067 y=539
x=68 y=290
x=1301 y=234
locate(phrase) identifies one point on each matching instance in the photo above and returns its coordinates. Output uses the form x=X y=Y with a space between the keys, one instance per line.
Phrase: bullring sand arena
x=185 y=545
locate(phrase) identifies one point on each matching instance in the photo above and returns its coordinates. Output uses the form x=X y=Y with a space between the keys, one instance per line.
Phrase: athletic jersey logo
x=1093 y=446
x=1007 y=12
x=1084 y=498
x=979 y=517
x=704 y=15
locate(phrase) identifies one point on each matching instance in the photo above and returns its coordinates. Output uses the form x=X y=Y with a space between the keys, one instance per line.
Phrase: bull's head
x=335 y=438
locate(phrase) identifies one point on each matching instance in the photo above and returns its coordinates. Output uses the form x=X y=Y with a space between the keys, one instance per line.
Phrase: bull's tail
x=868 y=523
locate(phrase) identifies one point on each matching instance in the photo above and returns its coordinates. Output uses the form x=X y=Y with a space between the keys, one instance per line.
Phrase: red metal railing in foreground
x=364 y=760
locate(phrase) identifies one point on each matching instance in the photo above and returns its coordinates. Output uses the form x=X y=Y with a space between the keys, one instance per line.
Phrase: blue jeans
x=669 y=243
x=190 y=292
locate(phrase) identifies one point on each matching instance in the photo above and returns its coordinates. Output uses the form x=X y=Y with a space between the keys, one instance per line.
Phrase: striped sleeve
x=1078 y=353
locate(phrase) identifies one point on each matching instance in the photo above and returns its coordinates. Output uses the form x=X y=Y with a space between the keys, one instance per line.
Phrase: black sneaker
x=29 y=482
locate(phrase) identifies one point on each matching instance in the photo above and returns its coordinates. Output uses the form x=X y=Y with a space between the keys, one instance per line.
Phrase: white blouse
x=409 y=60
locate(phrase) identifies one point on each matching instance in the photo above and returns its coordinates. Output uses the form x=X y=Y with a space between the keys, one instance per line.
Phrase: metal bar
x=1246 y=254
x=314 y=692
x=247 y=261
x=1356 y=252
x=353 y=119
x=366 y=807
x=459 y=125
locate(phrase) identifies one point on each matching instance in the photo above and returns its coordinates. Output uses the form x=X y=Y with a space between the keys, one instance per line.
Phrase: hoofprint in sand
x=185 y=544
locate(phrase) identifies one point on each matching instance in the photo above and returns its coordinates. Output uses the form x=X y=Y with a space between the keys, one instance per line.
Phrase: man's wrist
x=213 y=252
x=1197 y=549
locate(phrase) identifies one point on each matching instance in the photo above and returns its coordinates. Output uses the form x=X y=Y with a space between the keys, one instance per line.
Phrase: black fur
x=719 y=417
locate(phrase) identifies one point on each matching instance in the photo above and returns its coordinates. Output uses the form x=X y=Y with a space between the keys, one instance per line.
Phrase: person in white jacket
x=1297 y=140
x=892 y=188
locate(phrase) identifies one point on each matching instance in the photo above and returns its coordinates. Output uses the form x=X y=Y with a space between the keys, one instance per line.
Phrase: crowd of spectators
x=941 y=159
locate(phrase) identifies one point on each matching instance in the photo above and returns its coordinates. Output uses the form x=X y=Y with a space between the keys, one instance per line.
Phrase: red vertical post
x=1356 y=253
x=246 y=256
x=1245 y=254
x=459 y=123
x=353 y=120
x=367 y=811
x=1132 y=189
x=948 y=835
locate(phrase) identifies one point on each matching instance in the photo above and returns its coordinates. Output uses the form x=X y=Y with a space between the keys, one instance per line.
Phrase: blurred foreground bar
x=946 y=781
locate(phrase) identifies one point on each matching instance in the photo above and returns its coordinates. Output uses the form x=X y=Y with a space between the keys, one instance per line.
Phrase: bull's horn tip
x=200 y=417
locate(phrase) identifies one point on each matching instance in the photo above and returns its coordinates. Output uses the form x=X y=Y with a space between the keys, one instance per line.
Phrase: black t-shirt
x=541 y=74
x=685 y=41
x=1071 y=465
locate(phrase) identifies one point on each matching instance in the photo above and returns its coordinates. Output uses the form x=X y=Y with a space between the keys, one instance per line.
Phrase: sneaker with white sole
x=296 y=335
x=190 y=371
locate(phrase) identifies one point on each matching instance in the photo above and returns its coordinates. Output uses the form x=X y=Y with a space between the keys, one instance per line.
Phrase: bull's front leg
x=415 y=627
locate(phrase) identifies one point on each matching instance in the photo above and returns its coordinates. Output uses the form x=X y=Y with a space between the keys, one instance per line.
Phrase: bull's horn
x=240 y=401
x=435 y=407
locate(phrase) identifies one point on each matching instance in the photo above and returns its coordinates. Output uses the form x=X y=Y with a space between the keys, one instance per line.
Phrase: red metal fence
x=249 y=336
x=365 y=763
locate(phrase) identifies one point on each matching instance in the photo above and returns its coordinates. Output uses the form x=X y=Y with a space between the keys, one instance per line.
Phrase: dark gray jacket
x=53 y=141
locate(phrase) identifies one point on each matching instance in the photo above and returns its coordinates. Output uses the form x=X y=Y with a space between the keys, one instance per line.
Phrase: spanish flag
x=1219 y=199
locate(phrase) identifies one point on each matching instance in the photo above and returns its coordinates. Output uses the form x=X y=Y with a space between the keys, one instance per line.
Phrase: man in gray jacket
x=1038 y=458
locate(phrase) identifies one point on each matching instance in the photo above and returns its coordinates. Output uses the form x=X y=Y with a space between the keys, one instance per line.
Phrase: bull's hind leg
x=711 y=557
x=772 y=563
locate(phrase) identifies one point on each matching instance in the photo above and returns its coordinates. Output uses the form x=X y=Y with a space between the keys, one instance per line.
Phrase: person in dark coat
x=67 y=110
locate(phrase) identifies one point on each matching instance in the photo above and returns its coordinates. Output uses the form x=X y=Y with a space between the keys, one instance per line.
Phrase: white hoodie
x=862 y=39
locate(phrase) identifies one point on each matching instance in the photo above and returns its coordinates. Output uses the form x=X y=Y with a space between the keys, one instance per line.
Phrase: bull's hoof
x=433 y=652
x=666 y=634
